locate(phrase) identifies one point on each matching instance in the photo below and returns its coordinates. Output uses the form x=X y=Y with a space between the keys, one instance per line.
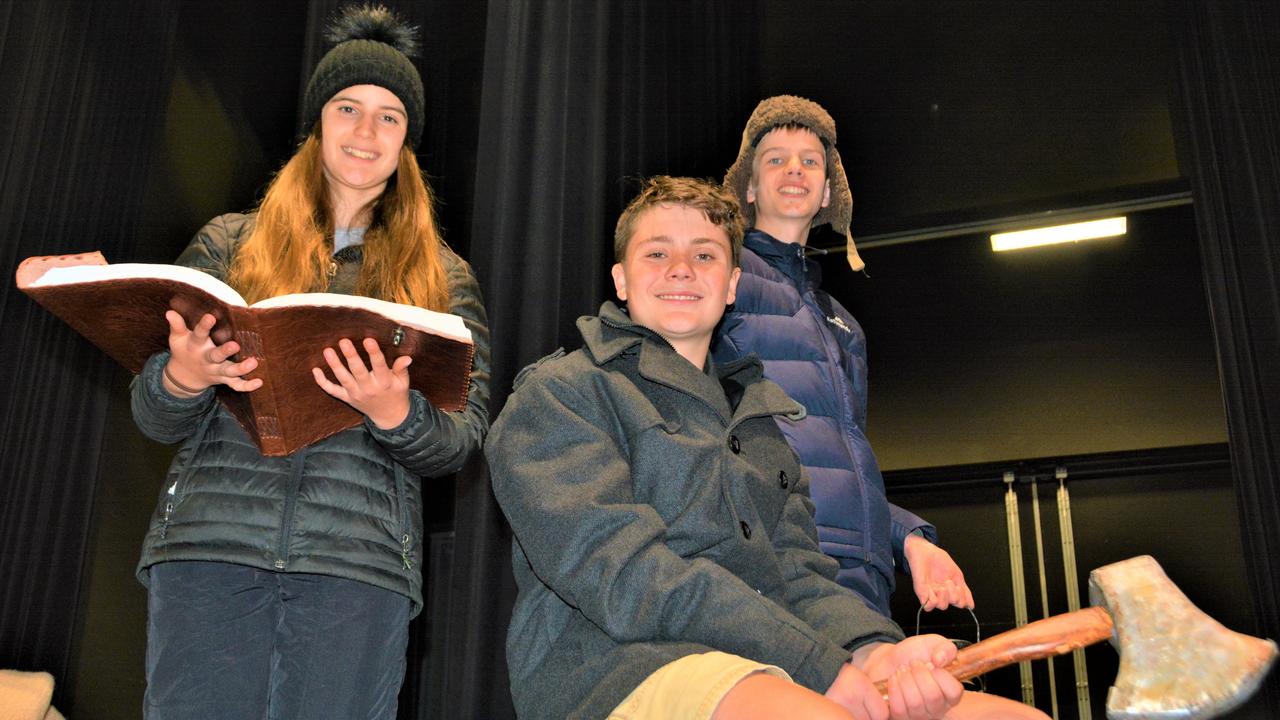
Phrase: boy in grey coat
x=665 y=547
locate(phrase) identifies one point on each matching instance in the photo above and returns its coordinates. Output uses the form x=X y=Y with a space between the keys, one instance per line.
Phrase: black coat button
x=783 y=480
x=734 y=445
x=746 y=529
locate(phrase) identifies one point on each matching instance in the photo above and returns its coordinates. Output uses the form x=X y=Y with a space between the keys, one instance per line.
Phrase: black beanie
x=373 y=48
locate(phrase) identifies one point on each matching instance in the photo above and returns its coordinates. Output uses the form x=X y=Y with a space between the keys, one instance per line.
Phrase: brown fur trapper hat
x=792 y=110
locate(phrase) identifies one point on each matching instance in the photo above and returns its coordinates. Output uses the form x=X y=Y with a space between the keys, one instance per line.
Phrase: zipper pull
x=168 y=509
x=404 y=552
x=333 y=269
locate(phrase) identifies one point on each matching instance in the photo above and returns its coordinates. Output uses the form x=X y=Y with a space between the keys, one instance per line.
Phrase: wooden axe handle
x=1051 y=636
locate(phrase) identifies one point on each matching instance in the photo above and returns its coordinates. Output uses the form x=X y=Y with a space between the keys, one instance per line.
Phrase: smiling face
x=788 y=182
x=677 y=277
x=362 y=130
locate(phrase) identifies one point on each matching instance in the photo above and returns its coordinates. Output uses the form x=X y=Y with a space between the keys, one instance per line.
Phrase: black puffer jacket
x=349 y=505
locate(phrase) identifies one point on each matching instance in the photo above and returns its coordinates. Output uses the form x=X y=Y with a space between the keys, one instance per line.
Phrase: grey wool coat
x=349 y=505
x=658 y=512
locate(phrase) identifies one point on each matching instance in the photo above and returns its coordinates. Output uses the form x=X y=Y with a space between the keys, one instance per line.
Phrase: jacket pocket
x=177 y=488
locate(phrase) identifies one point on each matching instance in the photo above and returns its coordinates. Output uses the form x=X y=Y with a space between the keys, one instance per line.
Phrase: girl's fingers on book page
x=377 y=361
x=354 y=362
x=329 y=387
x=219 y=354
x=202 y=328
x=340 y=372
x=176 y=323
x=238 y=370
x=243 y=385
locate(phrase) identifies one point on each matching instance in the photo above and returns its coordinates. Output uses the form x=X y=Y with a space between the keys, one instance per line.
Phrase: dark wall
x=1092 y=347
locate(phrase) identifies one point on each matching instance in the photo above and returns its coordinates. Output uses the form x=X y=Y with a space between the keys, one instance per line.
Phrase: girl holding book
x=283 y=586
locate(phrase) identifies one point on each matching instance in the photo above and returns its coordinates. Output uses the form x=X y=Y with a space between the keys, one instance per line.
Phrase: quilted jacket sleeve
x=159 y=415
x=431 y=442
x=903 y=523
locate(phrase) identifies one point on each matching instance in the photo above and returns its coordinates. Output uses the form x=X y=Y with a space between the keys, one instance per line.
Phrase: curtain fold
x=578 y=100
x=78 y=123
x=1228 y=121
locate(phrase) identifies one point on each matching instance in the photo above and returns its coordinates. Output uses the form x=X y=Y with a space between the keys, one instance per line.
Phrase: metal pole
x=1019 y=580
x=1044 y=592
x=1073 y=588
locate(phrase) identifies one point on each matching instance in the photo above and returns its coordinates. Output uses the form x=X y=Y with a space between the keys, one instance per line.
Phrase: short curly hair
x=716 y=203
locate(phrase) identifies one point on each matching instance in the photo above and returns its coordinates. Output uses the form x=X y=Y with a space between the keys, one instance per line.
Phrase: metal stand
x=1073 y=589
x=1044 y=591
x=1019 y=580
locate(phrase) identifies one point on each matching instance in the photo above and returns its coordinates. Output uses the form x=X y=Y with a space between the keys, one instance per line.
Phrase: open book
x=120 y=308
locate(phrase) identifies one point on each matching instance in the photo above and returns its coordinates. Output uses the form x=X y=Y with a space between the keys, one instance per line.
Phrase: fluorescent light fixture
x=1091 y=230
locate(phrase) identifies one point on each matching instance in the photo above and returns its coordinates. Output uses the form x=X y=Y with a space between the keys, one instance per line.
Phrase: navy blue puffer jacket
x=816 y=351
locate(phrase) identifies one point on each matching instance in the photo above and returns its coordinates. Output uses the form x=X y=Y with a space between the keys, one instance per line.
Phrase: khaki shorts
x=689 y=688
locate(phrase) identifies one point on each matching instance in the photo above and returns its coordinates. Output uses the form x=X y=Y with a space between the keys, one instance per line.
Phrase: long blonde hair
x=291 y=246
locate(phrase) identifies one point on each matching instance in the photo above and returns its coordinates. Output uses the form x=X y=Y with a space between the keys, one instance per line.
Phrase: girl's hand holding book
x=379 y=391
x=196 y=362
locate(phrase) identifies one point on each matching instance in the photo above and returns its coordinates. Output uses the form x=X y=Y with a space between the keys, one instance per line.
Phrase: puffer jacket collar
x=787 y=258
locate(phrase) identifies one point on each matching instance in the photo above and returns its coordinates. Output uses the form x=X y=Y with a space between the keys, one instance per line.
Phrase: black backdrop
x=539 y=112
x=80 y=128
x=1229 y=141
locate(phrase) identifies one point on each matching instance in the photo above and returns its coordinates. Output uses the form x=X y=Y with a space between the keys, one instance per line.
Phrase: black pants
x=233 y=642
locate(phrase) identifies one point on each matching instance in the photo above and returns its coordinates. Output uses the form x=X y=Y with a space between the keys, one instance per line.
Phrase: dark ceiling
x=960 y=109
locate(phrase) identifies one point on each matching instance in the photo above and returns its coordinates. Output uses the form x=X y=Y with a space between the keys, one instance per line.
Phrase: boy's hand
x=854 y=691
x=917 y=686
x=935 y=577
x=379 y=391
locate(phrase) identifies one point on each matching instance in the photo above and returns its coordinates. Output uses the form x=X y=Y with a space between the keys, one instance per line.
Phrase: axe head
x=1175 y=661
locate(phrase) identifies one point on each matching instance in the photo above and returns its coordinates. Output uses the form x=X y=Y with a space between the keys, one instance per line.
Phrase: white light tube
x=1091 y=230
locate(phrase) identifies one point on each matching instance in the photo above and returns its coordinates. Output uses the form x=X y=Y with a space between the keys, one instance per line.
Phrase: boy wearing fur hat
x=664 y=543
x=789 y=178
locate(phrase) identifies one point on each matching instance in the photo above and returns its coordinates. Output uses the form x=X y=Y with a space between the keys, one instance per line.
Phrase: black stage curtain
x=79 y=121
x=1229 y=142
x=577 y=98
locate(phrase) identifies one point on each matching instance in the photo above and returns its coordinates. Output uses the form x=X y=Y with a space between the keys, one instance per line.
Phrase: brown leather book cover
x=120 y=308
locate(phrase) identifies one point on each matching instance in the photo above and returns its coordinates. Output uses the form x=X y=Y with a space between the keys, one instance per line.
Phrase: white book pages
x=443 y=324
x=73 y=274
x=436 y=323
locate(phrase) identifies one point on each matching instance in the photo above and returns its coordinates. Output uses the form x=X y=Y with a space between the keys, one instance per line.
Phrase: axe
x=1175 y=661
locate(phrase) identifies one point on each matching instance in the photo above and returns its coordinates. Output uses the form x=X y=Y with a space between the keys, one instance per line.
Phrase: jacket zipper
x=846 y=405
x=404 y=519
x=290 y=503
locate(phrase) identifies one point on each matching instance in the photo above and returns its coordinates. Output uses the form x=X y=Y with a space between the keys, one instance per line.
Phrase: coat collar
x=787 y=258
x=612 y=333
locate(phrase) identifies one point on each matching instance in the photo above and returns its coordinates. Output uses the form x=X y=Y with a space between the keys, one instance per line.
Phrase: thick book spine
x=266 y=411
x=258 y=412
